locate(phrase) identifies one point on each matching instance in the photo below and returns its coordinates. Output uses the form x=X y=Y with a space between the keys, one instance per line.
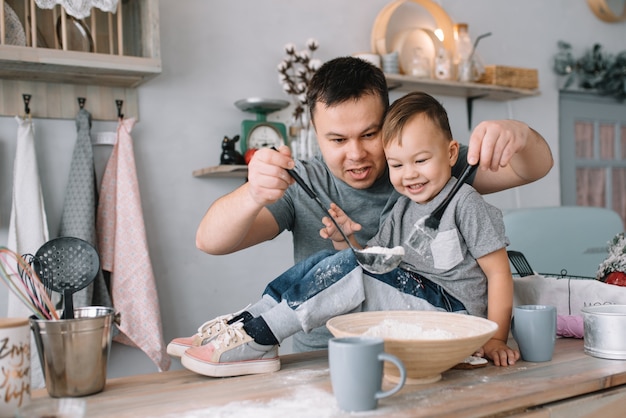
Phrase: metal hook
x=119 y=104
x=26 y=98
x=81 y=102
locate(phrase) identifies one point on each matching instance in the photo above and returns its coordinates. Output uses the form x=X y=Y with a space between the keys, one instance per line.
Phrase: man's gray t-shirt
x=300 y=214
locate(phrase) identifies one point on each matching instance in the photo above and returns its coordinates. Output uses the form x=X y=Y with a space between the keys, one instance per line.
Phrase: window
x=593 y=151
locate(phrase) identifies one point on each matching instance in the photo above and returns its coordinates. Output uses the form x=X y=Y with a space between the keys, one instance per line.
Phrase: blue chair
x=562 y=240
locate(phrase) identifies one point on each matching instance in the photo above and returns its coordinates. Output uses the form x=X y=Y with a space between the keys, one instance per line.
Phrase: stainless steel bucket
x=605 y=331
x=74 y=352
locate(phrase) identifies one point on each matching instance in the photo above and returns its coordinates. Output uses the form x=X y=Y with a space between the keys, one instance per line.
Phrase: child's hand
x=498 y=352
x=330 y=230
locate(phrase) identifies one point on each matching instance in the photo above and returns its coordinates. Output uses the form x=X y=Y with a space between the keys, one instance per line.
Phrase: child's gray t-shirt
x=469 y=229
x=298 y=213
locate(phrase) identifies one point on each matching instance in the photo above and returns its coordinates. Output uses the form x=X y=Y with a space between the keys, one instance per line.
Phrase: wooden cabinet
x=103 y=59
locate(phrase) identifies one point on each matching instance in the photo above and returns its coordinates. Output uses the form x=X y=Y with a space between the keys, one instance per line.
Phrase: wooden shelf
x=457 y=89
x=232 y=171
x=470 y=91
x=74 y=67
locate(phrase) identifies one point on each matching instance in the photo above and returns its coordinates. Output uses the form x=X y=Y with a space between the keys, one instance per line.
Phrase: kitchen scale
x=261 y=133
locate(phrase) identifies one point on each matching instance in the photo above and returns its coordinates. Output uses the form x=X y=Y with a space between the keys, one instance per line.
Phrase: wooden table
x=572 y=384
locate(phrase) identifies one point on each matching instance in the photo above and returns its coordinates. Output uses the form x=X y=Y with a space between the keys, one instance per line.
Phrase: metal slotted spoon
x=72 y=264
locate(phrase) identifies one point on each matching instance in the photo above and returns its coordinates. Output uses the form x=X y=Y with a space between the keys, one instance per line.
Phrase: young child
x=465 y=268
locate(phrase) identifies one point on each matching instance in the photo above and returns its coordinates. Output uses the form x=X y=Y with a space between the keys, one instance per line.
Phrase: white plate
x=407 y=40
x=13 y=29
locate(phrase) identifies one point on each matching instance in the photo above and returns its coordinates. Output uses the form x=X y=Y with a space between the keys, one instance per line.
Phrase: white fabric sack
x=569 y=295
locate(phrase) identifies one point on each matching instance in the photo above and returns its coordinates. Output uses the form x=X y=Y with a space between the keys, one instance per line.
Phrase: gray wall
x=216 y=52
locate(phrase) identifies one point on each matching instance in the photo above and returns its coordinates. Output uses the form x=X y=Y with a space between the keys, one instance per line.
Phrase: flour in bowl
x=398 y=330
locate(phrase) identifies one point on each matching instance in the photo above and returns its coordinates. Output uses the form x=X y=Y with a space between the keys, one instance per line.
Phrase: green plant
x=616 y=260
x=595 y=70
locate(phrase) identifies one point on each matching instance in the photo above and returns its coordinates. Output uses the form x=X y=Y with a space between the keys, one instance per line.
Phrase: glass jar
x=420 y=64
x=463 y=51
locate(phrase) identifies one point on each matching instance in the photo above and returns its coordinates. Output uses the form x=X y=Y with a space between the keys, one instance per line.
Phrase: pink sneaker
x=232 y=353
x=206 y=332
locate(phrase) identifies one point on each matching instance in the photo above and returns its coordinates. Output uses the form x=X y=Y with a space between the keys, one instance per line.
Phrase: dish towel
x=79 y=208
x=28 y=225
x=124 y=252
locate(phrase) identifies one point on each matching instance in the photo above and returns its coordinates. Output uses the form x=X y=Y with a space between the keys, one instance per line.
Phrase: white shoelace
x=233 y=332
x=206 y=329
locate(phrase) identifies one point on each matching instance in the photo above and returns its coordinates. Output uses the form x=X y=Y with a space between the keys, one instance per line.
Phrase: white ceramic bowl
x=605 y=331
x=428 y=343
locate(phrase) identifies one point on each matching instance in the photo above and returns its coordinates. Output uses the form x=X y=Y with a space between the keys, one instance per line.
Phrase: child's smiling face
x=420 y=161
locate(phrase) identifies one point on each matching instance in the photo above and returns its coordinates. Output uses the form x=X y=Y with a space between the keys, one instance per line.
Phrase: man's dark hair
x=346 y=78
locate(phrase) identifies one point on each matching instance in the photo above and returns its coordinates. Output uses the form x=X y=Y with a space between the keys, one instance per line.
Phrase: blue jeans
x=322 y=270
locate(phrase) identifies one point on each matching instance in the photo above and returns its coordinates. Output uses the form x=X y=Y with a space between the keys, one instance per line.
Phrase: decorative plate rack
x=57 y=58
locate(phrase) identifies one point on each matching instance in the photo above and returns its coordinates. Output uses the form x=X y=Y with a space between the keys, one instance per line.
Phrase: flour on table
x=475 y=360
x=398 y=330
x=302 y=402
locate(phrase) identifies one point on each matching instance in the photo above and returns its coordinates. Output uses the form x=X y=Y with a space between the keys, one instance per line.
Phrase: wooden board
x=232 y=171
x=60 y=101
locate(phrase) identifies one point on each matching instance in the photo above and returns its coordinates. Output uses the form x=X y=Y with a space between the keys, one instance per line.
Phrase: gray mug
x=534 y=329
x=356 y=372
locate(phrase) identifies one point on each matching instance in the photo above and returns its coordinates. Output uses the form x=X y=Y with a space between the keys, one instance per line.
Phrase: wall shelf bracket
x=469 y=102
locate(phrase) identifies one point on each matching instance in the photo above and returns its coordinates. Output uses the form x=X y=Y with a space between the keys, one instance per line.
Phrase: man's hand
x=510 y=154
x=495 y=142
x=267 y=178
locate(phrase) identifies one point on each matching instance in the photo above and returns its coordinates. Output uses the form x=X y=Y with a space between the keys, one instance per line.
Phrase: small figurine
x=230 y=156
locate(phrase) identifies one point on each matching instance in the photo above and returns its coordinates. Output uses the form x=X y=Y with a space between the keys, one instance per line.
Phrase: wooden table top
x=302 y=388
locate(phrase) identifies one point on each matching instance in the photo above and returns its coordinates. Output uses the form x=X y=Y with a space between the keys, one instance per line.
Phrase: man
x=348 y=99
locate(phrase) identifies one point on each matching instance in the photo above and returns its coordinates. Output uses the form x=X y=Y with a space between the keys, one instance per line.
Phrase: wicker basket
x=522 y=78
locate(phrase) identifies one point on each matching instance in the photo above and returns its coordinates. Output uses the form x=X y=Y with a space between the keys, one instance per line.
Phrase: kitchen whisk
x=21 y=279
